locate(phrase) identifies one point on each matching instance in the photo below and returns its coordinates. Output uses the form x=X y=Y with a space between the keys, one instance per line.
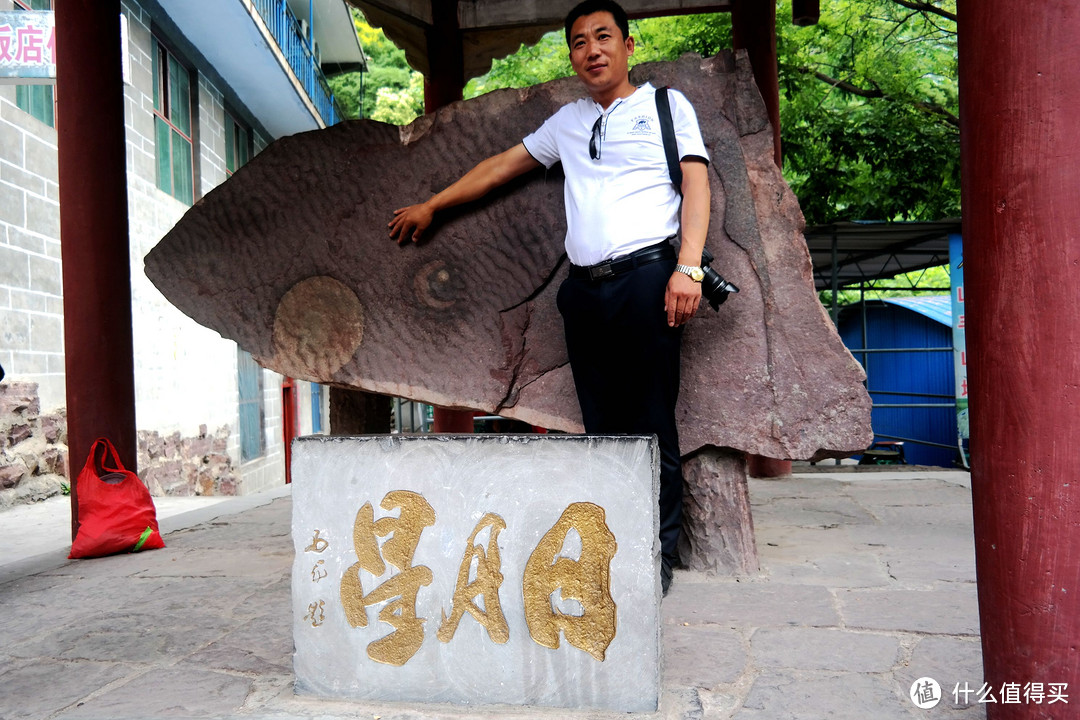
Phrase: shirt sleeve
x=687 y=132
x=543 y=144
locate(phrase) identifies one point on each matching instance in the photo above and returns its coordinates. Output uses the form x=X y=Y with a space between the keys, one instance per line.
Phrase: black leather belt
x=617 y=266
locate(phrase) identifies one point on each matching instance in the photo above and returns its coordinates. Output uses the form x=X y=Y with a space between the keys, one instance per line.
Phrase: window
x=249 y=380
x=172 y=121
x=316 y=408
x=237 y=144
x=36 y=99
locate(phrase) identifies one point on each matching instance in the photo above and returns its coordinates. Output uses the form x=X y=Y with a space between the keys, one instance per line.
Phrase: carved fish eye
x=437 y=286
x=318 y=327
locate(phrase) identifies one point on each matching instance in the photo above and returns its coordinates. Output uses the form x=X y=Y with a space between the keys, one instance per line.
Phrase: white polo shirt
x=623 y=201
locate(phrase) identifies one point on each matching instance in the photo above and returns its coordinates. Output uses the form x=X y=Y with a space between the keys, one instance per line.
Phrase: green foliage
x=391 y=90
x=655 y=39
x=400 y=106
x=530 y=65
x=868 y=98
x=869 y=110
x=668 y=38
x=346 y=88
x=936 y=279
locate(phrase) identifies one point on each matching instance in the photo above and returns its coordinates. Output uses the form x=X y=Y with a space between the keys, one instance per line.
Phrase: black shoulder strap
x=667 y=131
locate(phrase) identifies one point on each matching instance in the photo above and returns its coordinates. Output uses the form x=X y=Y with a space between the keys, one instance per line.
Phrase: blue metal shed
x=905 y=345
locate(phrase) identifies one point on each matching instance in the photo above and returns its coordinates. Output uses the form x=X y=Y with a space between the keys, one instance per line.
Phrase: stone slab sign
x=478 y=569
x=291 y=259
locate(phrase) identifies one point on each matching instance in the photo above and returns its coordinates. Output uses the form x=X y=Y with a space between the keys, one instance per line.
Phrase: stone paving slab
x=944 y=609
x=749 y=604
x=951 y=661
x=828 y=649
x=794 y=695
x=703 y=656
x=839 y=623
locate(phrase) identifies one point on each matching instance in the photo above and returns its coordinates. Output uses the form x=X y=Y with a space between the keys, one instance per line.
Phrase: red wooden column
x=445 y=79
x=443 y=85
x=94 y=233
x=1019 y=104
x=753 y=28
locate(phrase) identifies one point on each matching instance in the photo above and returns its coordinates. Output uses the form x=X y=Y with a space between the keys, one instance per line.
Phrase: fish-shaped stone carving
x=291 y=259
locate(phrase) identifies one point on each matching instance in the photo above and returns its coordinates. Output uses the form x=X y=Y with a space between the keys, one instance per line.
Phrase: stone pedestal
x=478 y=569
x=718 y=530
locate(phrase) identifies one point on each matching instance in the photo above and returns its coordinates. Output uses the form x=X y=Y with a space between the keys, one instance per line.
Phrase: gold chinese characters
x=488 y=580
x=416 y=514
x=587 y=580
x=557 y=575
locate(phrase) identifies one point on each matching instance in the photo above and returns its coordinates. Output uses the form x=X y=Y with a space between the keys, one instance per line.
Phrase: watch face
x=697 y=274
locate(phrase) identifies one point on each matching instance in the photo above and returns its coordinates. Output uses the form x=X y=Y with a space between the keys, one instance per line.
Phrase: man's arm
x=497 y=170
x=683 y=295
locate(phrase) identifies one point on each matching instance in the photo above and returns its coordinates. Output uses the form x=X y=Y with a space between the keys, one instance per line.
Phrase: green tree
x=388 y=71
x=931 y=281
x=869 y=110
x=868 y=98
x=547 y=60
x=400 y=107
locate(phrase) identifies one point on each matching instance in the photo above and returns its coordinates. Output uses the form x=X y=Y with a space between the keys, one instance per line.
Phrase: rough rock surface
x=291 y=259
x=718 y=530
x=184 y=466
x=33 y=447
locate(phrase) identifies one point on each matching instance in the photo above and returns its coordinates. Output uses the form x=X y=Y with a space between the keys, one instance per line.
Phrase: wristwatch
x=696 y=274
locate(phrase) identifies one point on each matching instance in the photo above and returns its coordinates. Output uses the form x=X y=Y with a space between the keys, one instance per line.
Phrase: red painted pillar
x=1019 y=104
x=94 y=232
x=445 y=80
x=753 y=28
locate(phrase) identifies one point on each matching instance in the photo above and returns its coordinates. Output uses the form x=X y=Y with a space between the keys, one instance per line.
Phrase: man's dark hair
x=588 y=7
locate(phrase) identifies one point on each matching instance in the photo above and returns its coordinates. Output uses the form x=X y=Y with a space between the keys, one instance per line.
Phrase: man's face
x=599 y=53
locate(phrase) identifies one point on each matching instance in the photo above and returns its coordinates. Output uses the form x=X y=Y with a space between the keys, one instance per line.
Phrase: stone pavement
x=867 y=584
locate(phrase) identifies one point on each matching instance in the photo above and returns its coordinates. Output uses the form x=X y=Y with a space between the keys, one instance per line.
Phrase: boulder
x=291 y=259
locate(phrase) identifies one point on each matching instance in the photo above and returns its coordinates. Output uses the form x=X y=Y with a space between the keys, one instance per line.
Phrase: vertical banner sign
x=27 y=47
x=956 y=262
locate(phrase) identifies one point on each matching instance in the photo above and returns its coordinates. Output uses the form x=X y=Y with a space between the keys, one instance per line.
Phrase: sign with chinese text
x=28 y=46
x=478 y=569
x=956 y=273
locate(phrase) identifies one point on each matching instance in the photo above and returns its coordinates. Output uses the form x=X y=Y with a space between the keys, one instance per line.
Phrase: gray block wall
x=185 y=374
x=31 y=285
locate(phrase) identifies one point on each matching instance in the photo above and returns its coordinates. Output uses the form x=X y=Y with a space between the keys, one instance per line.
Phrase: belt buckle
x=601 y=271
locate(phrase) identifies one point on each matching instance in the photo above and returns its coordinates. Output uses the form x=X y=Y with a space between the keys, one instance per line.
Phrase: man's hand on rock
x=410 y=222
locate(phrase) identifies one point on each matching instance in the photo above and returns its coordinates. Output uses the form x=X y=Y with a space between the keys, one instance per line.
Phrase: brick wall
x=33 y=446
x=31 y=286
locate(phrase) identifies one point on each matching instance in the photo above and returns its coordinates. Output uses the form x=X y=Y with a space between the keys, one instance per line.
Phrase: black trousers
x=625 y=361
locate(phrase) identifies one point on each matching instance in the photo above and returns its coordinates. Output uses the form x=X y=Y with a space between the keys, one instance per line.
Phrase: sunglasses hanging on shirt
x=594 y=141
x=599 y=129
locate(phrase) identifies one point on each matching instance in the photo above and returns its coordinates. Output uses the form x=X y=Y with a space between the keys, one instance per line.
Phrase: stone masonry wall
x=33 y=447
x=175 y=465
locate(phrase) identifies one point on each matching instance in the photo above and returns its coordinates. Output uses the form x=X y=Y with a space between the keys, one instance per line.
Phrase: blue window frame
x=316 y=408
x=252 y=415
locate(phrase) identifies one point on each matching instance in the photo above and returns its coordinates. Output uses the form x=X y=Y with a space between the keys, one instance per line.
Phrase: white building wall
x=186 y=384
x=186 y=375
x=31 y=282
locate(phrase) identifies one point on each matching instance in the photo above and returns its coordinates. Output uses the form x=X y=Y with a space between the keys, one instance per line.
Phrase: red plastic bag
x=116 y=513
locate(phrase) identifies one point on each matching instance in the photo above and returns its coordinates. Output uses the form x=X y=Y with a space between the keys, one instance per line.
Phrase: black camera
x=713 y=286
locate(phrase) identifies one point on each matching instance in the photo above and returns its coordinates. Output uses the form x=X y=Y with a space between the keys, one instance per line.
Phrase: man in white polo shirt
x=628 y=295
